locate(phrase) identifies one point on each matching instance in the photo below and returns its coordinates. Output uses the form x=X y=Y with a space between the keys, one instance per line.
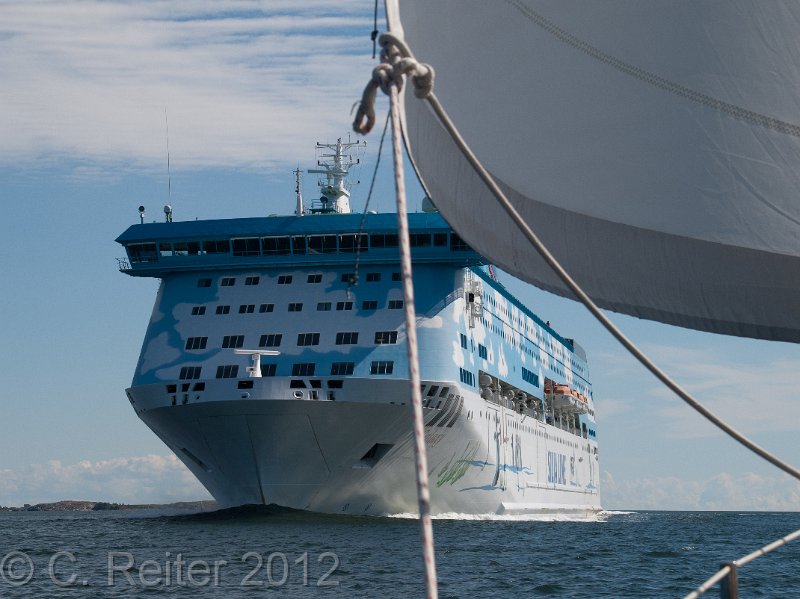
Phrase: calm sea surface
x=273 y=552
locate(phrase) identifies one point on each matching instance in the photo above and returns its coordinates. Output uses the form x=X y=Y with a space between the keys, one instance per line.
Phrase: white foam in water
x=596 y=517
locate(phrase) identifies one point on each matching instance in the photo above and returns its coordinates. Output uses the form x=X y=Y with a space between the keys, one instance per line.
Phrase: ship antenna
x=298 y=190
x=169 y=177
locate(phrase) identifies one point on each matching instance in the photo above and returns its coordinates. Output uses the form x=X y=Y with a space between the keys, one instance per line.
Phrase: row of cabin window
x=231 y=371
x=297 y=244
x=223 y=309
x=303 y=340
x=348 y=277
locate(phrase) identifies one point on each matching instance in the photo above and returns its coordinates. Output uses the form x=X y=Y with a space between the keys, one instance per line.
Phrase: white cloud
x=245 y=83
x=144 y=479
x=752 y=394
x=746 y=491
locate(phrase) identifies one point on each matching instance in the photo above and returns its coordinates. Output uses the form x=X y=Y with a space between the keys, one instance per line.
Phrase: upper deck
x=155 y=249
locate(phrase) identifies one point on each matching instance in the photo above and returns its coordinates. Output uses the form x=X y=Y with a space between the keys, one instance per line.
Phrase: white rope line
x=725 y=570
x=539 y=246
x=388 y=76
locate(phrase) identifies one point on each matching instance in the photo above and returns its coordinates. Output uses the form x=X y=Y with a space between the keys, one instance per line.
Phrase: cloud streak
x=747 y=492
x=245 y=84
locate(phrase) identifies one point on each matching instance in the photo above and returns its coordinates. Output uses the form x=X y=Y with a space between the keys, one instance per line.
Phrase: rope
x=388 y=76
x=395 y=63
x=354 y=279
x=400 y=47
x=374 y=35
x=727 y=569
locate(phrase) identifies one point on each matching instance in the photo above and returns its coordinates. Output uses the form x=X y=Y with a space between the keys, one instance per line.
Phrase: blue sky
x=248 y=88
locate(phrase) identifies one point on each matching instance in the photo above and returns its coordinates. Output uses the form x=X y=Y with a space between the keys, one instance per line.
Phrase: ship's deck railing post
x=729 y=585
x=727 y=575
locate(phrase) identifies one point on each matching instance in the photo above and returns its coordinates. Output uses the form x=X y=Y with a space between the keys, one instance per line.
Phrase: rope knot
x=397 y=62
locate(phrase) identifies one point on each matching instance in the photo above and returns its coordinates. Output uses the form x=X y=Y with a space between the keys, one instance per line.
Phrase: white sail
x=654 y=146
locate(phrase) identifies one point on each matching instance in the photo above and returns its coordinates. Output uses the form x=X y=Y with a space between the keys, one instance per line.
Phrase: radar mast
x=335 y=198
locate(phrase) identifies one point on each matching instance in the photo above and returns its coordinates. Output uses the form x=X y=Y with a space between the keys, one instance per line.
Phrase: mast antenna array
x=335 y=166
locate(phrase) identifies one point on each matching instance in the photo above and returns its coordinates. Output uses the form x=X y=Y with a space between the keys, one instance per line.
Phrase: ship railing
x=727 y=575
x=123 y=264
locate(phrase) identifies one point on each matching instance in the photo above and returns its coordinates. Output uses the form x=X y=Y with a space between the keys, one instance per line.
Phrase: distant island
x=100 y=506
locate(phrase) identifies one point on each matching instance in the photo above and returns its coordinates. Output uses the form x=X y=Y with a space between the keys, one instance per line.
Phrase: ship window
x=268 y=369
x=347 y=338
x=228 y=371
x=348 y=277
x=299 y=245
x=420 y=239
x=196 y=342
x=187 y=248
x=482 y=352
x=274 y=246
x=395 y=304
x=440 y=239
x=270 y=340
x=315 y=278
x=457 y=244
x=252 y=280
x=324 y=307
x=172 y=388
x=296 y=384
x=198 y=310
x=165 y=249
x=266 y=308
x=322 y=244
x=296 y=307
x=315 y=383
x=444 y=392
x=463 y=341
x=304 y=339
x=143 y=252
x=303 y=369
x=335 y=384
x=373 y=277
x=384 y=337
x=189 y=373
x=250 y=246
x=350 y=243
x=285 y=280
x=223 y=309
x=248 y=384
x=228 y=281
x=199 y=387
x=344 y=305
x=432 y=391
x=381 y=367
x=342 y=368
x=467 y=377
x=233 y=341
x=247 y=308
x=369 y=305
x=220 y=246
x=204 y=282
x=383 y=241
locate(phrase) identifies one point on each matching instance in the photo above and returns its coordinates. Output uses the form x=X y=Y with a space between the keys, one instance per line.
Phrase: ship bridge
x=157 y=248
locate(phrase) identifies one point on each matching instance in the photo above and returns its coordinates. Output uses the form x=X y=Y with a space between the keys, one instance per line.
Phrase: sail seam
x=737 y=112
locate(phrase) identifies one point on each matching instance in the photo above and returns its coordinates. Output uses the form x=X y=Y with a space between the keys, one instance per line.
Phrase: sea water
x=275 y=552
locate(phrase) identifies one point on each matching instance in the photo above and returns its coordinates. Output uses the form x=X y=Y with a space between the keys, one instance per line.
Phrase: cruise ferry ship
x=274 y=366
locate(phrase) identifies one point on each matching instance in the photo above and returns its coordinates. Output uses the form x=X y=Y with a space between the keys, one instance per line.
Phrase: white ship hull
x=354 y=455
